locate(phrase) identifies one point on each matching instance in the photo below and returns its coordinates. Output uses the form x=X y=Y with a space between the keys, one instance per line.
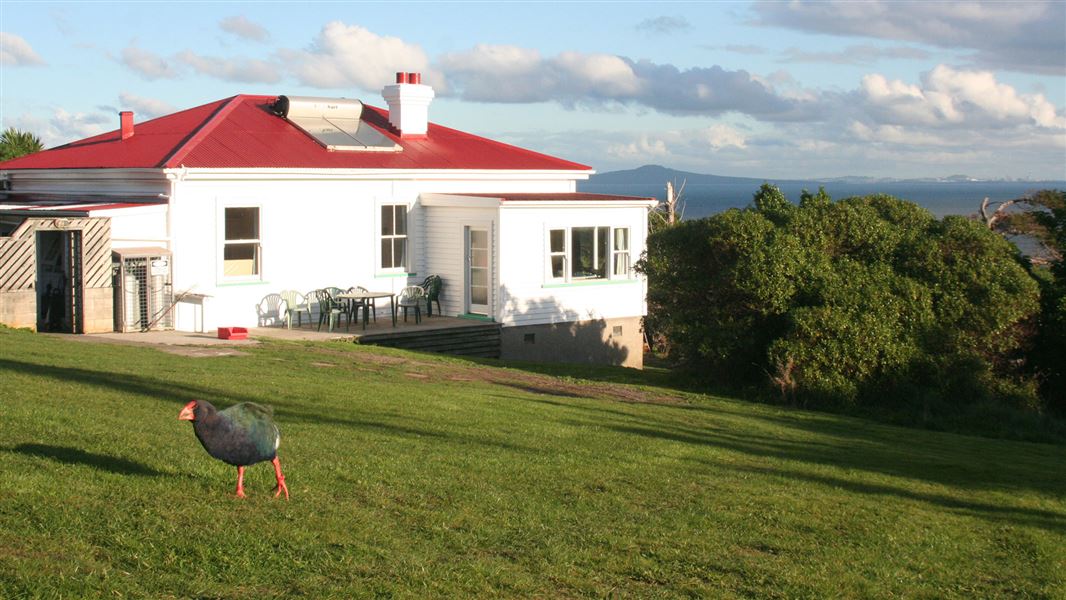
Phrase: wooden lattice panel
x=18 y=256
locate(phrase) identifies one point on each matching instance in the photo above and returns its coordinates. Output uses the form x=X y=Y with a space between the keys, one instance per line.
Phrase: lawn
x=416 y=475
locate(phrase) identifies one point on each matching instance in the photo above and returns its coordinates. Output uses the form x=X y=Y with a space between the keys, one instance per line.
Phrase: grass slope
x=417 y=475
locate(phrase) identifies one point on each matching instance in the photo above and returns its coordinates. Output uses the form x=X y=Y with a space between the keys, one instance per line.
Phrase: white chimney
x=408 y=102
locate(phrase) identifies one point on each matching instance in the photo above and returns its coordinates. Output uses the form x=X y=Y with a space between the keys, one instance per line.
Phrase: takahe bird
x=241 y=435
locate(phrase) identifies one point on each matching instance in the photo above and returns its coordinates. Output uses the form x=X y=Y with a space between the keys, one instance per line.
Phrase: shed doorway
x=59 y=282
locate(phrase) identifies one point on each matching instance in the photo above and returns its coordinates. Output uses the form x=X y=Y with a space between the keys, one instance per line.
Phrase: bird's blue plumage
x=241 y=435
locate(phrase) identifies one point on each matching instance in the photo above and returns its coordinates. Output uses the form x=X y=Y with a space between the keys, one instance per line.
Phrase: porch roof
x=74 y=206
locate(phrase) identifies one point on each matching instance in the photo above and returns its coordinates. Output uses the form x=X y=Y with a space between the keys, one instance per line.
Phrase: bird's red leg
x=281 y=480
x=240 y=482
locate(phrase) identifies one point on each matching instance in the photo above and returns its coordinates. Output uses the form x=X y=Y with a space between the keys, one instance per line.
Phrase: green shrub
x=864 y=302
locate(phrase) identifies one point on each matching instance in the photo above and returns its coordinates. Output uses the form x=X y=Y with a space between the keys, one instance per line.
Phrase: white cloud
x=81 y=125
x=243 y=70
x=61 y=126
x=719 y=136
x=854 y=55
x=489 y=73
x=349 y=55
x=748 y=49
x=641 y=150
x=1023 y=36
x=242 y=27
x=998 y=101
x=17 y=52
x=144 y=108
x=148 y=64
x=512 y=74
x=951 y=97
x=603 y=73
x=895 y=134
x=663 y=25
x=668 y=146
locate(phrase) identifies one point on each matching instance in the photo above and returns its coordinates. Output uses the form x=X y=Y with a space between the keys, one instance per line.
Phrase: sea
x=940 y=198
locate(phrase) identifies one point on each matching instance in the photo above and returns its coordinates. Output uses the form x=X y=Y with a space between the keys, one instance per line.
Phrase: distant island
x=706 y=194
x=658 y=174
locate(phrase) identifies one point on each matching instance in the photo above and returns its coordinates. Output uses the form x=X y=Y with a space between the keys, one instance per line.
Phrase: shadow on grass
x=76 y=456
x=959 y=469
x=1044 y=519
x=176 y=394
x=167 y=391
x=966 y=464
x=543 y=390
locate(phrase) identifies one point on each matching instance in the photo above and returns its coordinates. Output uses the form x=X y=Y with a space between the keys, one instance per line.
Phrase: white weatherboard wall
x=530 y=297
x=308 y=239
x=445 y=245
x=320 y=231
x=139 y=226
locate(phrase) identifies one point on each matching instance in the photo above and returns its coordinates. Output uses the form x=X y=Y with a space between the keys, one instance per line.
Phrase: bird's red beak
x=186 y=413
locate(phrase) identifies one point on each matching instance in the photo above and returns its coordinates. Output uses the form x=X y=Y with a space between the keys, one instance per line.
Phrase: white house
x=250 y=195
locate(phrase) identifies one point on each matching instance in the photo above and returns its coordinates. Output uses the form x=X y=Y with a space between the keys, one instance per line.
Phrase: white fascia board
x=458 y=200
x=187 y=174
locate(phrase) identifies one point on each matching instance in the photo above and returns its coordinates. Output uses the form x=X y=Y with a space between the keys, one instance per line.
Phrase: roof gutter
x=312 y=174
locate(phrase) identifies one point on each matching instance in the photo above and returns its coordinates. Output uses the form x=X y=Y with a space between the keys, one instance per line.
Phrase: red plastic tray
x=233 y=333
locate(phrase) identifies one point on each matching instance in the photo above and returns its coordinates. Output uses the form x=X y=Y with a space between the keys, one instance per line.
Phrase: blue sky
x=760 y=89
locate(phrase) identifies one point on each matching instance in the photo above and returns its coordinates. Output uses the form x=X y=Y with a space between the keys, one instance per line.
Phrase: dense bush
x=863 y=302
x=1047 y=223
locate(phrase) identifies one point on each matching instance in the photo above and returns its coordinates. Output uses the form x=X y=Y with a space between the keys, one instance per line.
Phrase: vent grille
x=144 y=295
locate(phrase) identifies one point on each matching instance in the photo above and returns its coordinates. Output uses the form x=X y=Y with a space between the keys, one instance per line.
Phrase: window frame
x=609 y=261
x=256 y=243
x=405 y=236
x=616 y=253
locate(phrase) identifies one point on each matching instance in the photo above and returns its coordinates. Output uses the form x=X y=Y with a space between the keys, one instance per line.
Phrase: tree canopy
x=15 y=143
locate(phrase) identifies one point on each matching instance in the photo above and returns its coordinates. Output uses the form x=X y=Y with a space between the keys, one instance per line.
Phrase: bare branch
x=1001 y=210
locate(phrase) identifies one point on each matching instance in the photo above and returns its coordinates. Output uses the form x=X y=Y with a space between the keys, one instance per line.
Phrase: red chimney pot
x=126 y=121
x=401 y=78
x=415 y=78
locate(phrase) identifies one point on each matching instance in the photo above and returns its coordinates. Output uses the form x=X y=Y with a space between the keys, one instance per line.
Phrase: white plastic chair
x=411 y=296
x=295 y=302
x=269 y=310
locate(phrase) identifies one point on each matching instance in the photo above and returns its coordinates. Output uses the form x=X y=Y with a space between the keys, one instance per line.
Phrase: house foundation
x=598 y=341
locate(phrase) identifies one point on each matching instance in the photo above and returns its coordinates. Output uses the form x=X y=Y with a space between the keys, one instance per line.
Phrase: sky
x=755 y=89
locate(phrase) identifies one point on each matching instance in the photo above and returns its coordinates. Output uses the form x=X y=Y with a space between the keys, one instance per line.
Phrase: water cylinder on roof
x=300 y=107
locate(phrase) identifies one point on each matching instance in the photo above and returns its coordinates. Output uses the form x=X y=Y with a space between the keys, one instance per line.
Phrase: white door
x=478 y=271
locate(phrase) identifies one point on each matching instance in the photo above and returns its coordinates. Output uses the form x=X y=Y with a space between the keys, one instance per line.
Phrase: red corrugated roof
x=241 y=132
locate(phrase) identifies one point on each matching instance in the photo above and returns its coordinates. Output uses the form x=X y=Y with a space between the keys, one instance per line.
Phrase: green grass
x=417 y=475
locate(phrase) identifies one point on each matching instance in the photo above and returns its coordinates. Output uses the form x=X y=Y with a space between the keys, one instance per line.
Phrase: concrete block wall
x=599 y=341
x=18 y=308
x=98 y=314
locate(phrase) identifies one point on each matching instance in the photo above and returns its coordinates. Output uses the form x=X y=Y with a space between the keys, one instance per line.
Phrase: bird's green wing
x=255 y=421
